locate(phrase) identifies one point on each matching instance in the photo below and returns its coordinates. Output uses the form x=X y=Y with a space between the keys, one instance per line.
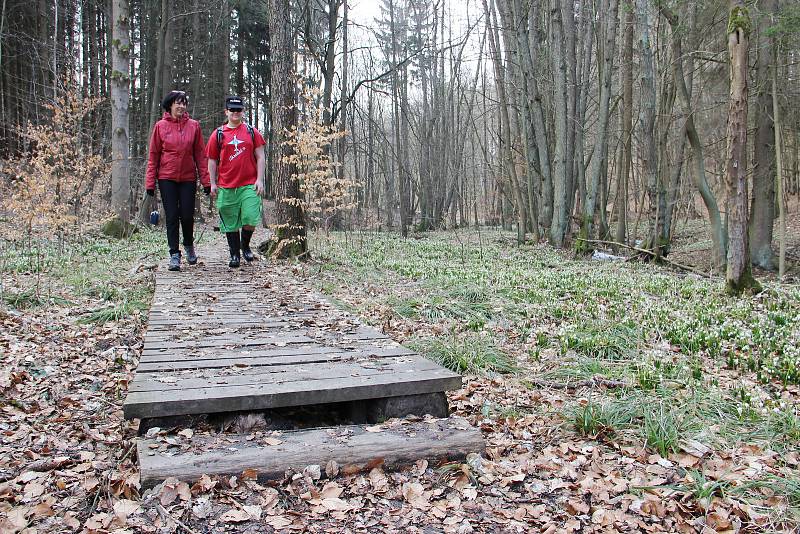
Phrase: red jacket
x=177 y=152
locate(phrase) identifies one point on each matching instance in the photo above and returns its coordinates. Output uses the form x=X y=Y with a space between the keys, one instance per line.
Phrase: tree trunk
x=649 y=154
x=561 y=204
x=738 y=276
x=621 y=201
x=342 y=143
x=609 y=33
x=776 y=113
x=290 y=230
x=120 y=98
x=762 y=210
x=505 y=118
x=158 y=85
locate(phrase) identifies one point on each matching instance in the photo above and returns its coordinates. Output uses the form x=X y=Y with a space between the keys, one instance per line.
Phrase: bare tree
x=738 y=276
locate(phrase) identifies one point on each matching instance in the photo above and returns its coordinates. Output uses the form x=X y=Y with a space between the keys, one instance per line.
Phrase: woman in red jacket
x=177 y=158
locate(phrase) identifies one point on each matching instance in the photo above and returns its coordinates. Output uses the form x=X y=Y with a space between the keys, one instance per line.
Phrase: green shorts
x=237 y=207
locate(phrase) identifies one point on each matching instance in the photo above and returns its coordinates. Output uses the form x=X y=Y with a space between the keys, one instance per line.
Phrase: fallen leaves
x=63 y=448
x=171 y=489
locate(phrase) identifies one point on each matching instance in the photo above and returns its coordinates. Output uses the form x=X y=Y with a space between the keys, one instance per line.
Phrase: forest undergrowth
x=613 y=396
x=646 y=363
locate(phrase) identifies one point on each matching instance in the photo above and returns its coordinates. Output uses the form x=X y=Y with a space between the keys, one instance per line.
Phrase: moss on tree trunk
x=285 y=245
x=118 y=228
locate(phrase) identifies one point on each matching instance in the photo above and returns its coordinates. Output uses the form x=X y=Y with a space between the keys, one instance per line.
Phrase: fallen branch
x=166 y=516
x=592 y=382
x=649 y=253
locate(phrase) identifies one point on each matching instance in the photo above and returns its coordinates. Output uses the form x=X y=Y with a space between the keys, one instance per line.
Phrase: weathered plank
x=258 y=397
x=353 y=448
x=323 y=354
x=277 y=374
x=194 y=353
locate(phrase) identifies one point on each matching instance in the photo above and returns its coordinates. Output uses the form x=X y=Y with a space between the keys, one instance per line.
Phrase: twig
x=594 y=381
x=166 y=515
x=649 y=253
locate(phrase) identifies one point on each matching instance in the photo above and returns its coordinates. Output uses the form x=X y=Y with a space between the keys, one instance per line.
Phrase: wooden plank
x=253 y=332
x=352 y=447
x=232 y=342
x=190 y=353
x=273 y=340
x=329 y=354
x=258 y=397
x=160 y=326
x=278 y=374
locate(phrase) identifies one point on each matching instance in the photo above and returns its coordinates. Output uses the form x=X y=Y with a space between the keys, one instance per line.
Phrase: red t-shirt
x=236 y=161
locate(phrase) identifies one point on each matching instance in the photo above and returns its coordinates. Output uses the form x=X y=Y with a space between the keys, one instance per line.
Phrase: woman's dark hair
x=172 y=97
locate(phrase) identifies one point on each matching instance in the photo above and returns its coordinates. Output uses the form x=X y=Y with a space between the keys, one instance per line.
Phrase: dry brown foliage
x=54 y=187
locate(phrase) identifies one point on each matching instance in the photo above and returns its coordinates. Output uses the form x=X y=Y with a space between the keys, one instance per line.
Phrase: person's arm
x=153 y=161
x=200 y=157
x=261 y=166
x=212 y=176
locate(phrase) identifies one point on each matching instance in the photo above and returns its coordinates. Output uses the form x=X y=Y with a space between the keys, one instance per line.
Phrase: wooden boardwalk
x=225 y=340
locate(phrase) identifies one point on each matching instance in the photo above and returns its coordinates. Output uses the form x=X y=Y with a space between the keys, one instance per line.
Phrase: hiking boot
x=175 y=262
x=234 y=244
x=191 y=256
x=246 y=252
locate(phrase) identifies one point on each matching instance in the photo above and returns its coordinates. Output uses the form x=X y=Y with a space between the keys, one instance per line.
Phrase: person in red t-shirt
x=236 y=166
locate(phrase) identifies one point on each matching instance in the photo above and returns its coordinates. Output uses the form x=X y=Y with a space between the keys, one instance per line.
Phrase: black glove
x=207 y=189
x=151 y=192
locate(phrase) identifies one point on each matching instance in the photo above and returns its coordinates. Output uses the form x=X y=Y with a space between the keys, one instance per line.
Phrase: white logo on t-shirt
x=236 y=142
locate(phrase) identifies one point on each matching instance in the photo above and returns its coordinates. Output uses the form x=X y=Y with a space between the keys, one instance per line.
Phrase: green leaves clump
x=469 y=353
x=599 y=341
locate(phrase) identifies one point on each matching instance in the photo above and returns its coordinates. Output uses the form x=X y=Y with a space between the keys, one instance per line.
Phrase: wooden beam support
x=353 y=448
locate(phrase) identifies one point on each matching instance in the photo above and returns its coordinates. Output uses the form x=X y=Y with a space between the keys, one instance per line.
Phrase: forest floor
x=614 y=396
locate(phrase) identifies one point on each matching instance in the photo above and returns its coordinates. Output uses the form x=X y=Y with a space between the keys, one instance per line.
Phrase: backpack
x=249 y=130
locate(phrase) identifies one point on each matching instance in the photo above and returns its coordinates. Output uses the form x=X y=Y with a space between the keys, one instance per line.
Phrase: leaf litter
x=68 y=457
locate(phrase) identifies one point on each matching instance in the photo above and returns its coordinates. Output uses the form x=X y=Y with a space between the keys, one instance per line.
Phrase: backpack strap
x=219 y=140
x=250 y=130
x=252 y=138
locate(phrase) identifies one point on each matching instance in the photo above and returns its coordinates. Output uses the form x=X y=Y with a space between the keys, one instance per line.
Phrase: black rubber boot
x=234 y=244
x=246 y=252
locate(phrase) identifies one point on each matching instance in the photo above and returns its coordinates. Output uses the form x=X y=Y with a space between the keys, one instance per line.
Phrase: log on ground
x=353 y=448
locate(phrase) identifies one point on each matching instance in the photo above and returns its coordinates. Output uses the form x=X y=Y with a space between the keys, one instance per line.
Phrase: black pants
x=178 y=201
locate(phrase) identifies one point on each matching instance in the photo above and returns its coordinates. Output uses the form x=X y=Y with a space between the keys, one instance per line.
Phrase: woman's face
x=178 y=108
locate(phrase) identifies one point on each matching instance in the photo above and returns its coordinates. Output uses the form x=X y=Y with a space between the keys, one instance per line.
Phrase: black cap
x=234 y=103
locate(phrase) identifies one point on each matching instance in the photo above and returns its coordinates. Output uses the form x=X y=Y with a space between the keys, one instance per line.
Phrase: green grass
x=30 y=298
x=92 y=266
x=662 y=429
x=115 y=312
x=469 y=353
x=601 y=420
x=666 y=335
x=602 y=341
x=603 y=310
x=702 y=488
